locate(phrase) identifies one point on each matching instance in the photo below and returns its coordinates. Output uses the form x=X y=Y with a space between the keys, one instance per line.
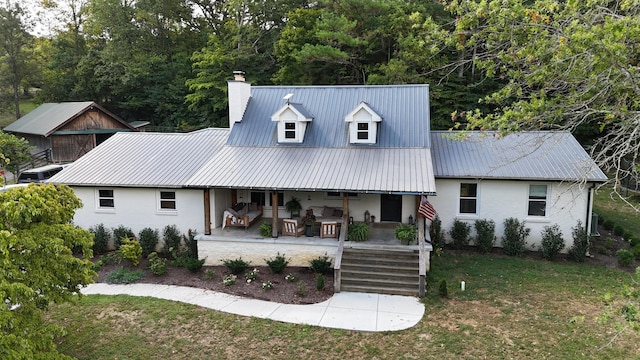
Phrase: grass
x=512 y=308
x=611 y=207
x=8 y=115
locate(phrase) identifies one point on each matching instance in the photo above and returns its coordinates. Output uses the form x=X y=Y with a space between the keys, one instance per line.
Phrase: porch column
x=207 y=212
x=274 y=214
x=345 y=214
x=420 y=219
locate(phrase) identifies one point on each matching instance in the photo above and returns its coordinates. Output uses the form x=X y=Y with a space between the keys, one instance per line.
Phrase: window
x=105 y=199
x=468 y=198
x=257 y=197
x=167 y=200
x=537 y=200
x=335 y=194
x=280 y=199
x=363 y=131
x=289 y=130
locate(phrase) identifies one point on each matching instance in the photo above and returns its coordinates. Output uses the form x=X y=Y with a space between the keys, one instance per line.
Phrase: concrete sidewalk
x=345 y=310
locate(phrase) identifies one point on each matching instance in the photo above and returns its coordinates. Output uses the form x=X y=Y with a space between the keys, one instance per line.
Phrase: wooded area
x=492 y=64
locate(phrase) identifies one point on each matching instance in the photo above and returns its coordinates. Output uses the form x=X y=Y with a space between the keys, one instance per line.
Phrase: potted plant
x=293 y=206
x=309 y=221
x=405 y=233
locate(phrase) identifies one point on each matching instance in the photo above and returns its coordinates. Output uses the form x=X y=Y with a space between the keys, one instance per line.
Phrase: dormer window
x=363 y=125
x=292 y=123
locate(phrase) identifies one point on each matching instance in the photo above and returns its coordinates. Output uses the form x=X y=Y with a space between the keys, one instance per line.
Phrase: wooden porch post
x=207 y=212
x=345 y=213
x=422 y=284
x=274 y=214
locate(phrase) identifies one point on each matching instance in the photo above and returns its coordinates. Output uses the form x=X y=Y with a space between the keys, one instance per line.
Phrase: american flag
x=426 y=209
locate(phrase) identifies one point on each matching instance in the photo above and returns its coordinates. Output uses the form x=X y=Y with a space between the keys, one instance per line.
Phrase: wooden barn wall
x=41 y=143
x=93 y=119
x=66 y=148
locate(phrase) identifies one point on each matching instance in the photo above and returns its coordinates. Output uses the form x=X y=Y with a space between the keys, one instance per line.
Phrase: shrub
x=636 y=251
x=148 y=238
x=625 y=257
x=618 y=230
x=101 y=237
x=633 y=241
x=609 y=243
x=578 y=252
x=124 y=276
x=436 y=233
x=267 y=285
x=291 y=278
x=191 y=244
x=460 y=232
x=321 y=264
x=514 y=238
x=358 y=232
x=608 y=225
x=552 y=241
x=486 y=234
x=277 y=264
x=236 y=266
x=229 y=280
x=157 y=265
x=171 y=237
x=131 y=250
x=405 y=233
x=442 y=289
x=209 y=274
x=266 y=230
x=194 y=265
x=301 y=289
x=120 y=233
x=252 y=275
x=319 y=282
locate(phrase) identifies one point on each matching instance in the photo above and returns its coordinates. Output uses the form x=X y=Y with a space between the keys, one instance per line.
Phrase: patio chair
x=329 y=229
x=290 y=227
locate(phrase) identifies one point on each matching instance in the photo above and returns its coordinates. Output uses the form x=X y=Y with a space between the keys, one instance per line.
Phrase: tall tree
x=13 y=151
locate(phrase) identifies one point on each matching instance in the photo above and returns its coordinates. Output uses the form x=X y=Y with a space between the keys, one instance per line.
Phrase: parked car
x=40 y=174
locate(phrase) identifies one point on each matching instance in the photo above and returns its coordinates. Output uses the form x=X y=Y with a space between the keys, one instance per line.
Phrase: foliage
x=608 y=225
x=13 y=152
x=442 y=289
x=460 y=232
x=301 y=289
x=291 y=277
x=618 y=230
x=293 y=206
x=358 y=232
x=209 y=274
x=267 y=285
x=101 y=238
x=120 y=233
x=623 y=305
x=171 y=237
x=581 y=243
x=148 y=240
x=191 y=244
x=625 y=257
x=252 y=275
x=194 y=265
x=436 y=233
x=319 y=282
x=406 y=233
x=309 y=219
x=552 y=241
x=131 y=250
x=485 y=234
x=124 y=276
x=37 y=266
x=277 y=264
x=321 y=264
x=229 y=280
x=266 y=230
x=514 y=238
x=236 y=266
x=157 y=265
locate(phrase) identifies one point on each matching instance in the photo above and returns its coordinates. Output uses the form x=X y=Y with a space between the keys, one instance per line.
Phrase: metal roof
x=537 y=155
x=361 y=169
x=145 y=159
x=46 y=118
x=404 y=110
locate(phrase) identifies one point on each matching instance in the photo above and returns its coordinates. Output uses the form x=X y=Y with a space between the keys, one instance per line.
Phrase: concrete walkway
x=345 y=310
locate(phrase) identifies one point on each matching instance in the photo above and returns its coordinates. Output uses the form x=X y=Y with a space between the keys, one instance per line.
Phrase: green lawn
x=612 y=207
x=512 y=308
x=8 y=115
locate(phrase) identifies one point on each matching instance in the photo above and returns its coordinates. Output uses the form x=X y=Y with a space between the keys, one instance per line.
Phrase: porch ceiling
x=358 y=169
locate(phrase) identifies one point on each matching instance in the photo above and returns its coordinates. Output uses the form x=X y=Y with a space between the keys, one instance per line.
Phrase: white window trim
x=354 y=120
x=298 y=118
x=536 y=218
x=474 y=215
x=98 y=197
x=159 y=200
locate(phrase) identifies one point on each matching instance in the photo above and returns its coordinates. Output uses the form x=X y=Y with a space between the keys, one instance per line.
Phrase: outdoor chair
x=329 y=229
x=290 y=227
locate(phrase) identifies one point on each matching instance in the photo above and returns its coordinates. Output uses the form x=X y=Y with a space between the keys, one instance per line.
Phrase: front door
x=391 y=208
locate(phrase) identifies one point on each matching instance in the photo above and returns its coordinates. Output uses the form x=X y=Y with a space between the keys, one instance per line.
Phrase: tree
x=13 y=151
x=37 y=266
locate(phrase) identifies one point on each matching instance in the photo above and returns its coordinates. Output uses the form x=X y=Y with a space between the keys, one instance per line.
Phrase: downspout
x=589 y=209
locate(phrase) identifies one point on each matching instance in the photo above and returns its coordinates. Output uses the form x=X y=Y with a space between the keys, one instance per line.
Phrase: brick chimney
x=239 y=94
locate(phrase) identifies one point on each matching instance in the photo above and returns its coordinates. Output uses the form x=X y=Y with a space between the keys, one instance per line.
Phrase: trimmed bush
x=485 y=234
x=171 y=237
x=101 y=238
x=514 y=239
x=436 y=233
x=625 y=257
x=608 y=225
x=460 y=233
x=157 y=265
x=321 y=265
x=358 y=232
x=236 y=266
x=194 y=265
x=131 y=250
x=277 y=264
x=319 y=282
x=618 y=230
x=120 y=233
x=148 y=238
x=581 y=243
x=552 y=241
